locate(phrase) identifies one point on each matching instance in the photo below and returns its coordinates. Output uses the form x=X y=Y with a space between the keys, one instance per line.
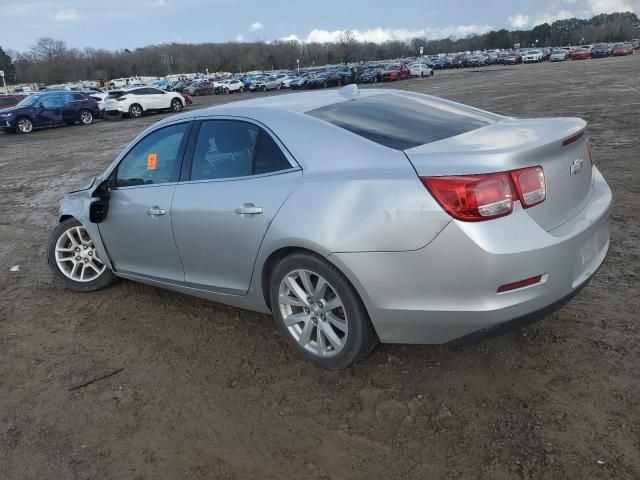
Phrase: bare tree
x=347 y=46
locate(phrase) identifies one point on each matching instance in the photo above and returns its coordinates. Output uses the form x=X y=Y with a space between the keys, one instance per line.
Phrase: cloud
x=158 y=3
x=290 y=38
x=255 y=26
x=381 y=35
x=240 y=38
x=65 y=15
x=582 y=9
x=519 y=21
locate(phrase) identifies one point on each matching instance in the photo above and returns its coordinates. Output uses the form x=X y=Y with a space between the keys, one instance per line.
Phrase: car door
x=137 y=231
x=70 y=108
x=48 y=111
x=159 y=98
x=238 y=179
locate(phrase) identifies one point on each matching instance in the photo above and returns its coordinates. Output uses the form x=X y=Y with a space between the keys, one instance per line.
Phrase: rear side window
x=154 y=159
x=79 y=96
x=402 y=121
x=234 y=149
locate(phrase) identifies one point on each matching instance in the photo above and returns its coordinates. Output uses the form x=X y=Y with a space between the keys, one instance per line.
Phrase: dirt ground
x=213 y=392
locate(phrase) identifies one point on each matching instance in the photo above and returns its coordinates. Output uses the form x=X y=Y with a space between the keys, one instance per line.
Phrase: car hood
x=15 y=110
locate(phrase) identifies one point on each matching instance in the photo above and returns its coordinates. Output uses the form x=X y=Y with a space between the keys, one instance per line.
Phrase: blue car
x=48 y=109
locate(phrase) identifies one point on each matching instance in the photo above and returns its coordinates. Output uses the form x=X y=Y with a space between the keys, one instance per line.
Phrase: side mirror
x=99 y=207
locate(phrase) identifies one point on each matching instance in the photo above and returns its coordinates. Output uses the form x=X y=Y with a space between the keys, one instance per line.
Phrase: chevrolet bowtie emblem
x=576 y=166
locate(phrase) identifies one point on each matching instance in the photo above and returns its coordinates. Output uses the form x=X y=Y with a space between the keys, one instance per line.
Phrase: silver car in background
x=353 y=217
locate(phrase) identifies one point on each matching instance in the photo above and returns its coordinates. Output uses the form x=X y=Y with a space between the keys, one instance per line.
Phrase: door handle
x=249 y=209
x=153 y=211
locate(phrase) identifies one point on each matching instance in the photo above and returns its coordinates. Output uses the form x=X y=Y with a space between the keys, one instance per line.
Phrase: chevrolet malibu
x=353 y=217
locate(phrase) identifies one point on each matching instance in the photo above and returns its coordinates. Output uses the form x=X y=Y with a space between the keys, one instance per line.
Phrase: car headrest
x=233 y=139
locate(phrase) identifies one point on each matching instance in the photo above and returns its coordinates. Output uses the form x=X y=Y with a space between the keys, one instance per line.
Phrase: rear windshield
x=401 y=120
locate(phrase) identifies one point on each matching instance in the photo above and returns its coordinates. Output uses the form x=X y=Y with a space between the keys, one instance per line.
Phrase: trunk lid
x=558 y=145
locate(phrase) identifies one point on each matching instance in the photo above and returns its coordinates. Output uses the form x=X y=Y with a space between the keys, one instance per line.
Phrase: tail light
x=475 y=198
x=530 y=185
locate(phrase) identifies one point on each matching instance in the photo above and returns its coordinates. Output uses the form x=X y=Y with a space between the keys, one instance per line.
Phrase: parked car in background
x=622 y=49
x=459 y=61
x=7 y=101
x=532 y=56
x=420 y=69
x=371 y=75
x=476 y=61
x=486 y=234
x=580 y=54
x=135 y=101
x=232 y=85
x=600 y=50
x=200 y=87
x=441 y=63
x=48 y=109
x=266 y=83
x=395 y=71
x=324 y=80
x=512 y=58
x=286 y=81
x=300 y=82
x=559 y=55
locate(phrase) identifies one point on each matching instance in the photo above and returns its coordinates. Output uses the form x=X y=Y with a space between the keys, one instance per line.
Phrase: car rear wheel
x=73 y=259
x=135 y=111
x=226 y=91
x=324 y=85
x=319 y=312
x=86 y=117
x=241 y=90
x=24 y=125
x=176 y=105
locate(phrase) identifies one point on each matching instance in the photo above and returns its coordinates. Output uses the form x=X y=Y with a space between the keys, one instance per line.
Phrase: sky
x=119 y=24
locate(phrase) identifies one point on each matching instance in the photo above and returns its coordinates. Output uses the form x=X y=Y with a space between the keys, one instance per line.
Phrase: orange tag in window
x=151 y=161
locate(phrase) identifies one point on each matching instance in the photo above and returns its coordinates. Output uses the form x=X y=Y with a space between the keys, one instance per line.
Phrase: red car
x=580 y=54
x=512 y=59
x=395 y=72
x=622 y=49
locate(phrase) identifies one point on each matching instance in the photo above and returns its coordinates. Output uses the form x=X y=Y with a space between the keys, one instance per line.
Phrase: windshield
x=28 y=101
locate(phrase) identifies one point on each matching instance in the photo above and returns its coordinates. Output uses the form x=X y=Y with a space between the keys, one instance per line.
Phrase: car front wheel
x=24 y=125
x=319 y=312
x=73 y=259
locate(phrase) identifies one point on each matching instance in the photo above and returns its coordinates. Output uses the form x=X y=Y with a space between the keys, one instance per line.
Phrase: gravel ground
x=209 y=391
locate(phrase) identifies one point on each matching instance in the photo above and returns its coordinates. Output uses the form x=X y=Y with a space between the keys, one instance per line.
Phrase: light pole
x=298 y=63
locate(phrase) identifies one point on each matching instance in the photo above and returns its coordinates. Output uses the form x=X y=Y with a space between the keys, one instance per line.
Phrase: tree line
x=50 y=61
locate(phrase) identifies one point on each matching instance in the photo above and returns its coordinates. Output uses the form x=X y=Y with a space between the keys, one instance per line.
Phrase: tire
x=85 y=118
x=264 y=88
x=176 y=105
x=375 y=79
x=226 y=91
x=135 y=111
x=324 y=85
x=241 y=90
x=358 y=336
x=24 y=125
x=58 y=238
x=278 y=87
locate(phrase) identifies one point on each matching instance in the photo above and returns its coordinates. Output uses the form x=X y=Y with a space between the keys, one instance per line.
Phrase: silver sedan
x=353 y=217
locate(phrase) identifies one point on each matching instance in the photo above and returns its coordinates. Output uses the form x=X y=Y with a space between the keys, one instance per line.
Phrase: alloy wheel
x=176 y=105
x=135 y=111
x=25 y=125
x=76 y=256
x=86 y=117
x=313 y=313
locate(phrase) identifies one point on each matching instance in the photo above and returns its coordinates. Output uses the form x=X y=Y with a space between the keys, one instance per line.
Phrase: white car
x=420 y=70
x=532 y=56
x=232 y=85
x=138 y=100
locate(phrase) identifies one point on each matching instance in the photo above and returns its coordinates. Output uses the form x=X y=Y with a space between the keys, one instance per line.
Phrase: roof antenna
x=350 y=92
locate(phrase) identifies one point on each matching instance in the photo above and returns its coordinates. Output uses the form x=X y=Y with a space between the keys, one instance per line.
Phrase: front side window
x=232 y=149
x=154 y=159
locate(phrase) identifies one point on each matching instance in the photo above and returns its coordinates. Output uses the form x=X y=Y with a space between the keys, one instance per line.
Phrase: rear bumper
x=448 y=289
